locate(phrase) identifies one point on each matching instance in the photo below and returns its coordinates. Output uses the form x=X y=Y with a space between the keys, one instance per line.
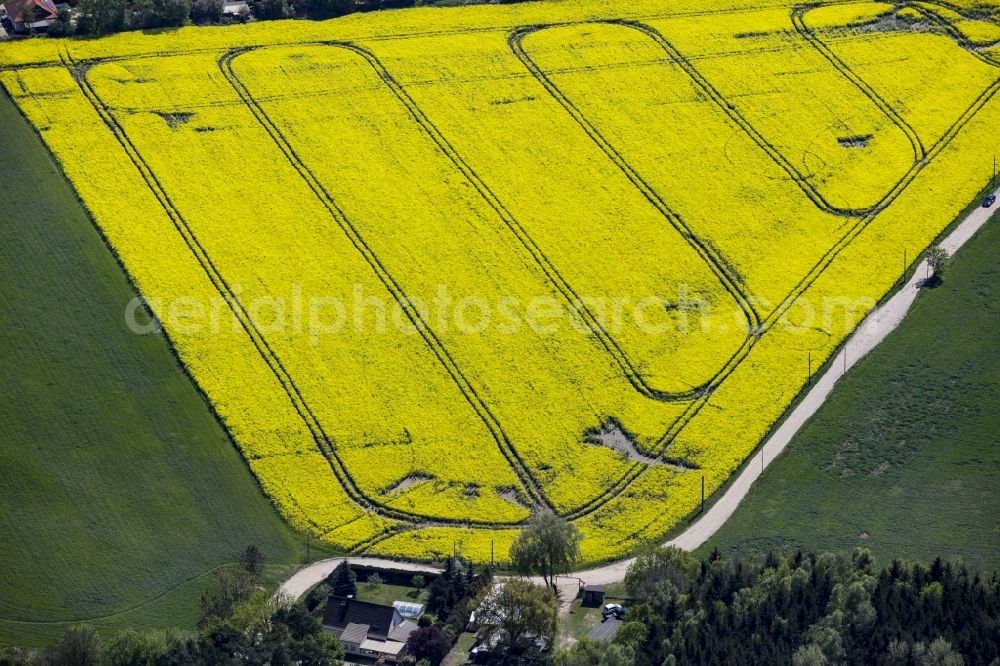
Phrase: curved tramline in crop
x=953 y=31
x=360 y=164
x=863 y=217
x=232 y=300
x=482 y=409
x=798 y=20
x=731 y=110
x=565 y=289
x=635 y=468
x=711 y=257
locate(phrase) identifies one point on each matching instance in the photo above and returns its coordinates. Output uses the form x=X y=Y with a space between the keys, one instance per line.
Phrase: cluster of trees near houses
x=451 y=600
x=803 y=610
x=101 y=17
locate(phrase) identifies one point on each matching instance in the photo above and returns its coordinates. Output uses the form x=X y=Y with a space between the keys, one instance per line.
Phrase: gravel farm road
x=876 y=326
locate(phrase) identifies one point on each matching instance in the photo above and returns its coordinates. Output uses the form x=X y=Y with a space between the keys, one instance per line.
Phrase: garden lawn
x=386 y=593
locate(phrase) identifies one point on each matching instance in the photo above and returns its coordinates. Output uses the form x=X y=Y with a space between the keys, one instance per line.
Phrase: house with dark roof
x=367 y=629
x=43 y=12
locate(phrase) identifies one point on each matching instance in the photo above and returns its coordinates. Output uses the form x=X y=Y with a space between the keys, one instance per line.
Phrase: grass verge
x=902 y=458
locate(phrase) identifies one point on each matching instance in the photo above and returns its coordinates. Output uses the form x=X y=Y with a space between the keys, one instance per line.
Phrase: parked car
x=612 y=610
x=989 y=201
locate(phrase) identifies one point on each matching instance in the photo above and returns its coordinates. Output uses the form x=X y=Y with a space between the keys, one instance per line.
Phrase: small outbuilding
x=593 y=595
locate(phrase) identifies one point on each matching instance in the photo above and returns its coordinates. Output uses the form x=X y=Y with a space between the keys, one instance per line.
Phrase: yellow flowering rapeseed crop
x=701 y=201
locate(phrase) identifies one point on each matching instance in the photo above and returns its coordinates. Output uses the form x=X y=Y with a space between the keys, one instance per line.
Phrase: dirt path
x=875 y=327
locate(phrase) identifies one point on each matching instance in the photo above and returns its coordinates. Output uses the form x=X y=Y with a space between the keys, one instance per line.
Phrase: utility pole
x=810 y=379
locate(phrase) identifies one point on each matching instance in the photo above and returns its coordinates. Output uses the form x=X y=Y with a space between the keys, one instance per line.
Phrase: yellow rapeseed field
x=437 y=269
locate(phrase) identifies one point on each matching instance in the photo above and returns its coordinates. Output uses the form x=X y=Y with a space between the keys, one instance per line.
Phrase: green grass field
x=904 y=458
x=119 y=490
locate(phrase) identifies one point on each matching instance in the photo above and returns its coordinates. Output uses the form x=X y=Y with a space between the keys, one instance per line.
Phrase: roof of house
x=594 y=588
x=354 y=633
x=606 y=630
x=44 y=9
x=341 y=611
x=383 y=647
x=401 y=632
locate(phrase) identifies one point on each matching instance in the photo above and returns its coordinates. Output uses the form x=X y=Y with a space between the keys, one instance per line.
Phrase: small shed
x=593 y=595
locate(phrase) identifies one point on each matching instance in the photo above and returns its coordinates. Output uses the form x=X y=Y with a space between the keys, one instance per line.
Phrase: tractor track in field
x=274 y=363
x=954 y=32
x=639 y=469
x=822 y=264
x=732 y=111
x=804 y=31
x=492 y=423
x=553 y=274
x=716 y=263
x=512 y=224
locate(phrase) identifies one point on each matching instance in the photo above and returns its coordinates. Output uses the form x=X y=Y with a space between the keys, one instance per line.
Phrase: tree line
x=102 y=17
x=802 y=610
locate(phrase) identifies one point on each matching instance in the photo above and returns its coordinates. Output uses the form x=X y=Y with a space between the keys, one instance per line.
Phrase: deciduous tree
x=429 y=643
x=517 y=616
x=549 y=545
x=938 y=259
x=661 y=564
